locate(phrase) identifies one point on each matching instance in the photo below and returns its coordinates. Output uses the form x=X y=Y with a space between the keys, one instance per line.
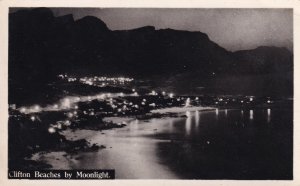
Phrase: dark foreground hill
x=42 y=46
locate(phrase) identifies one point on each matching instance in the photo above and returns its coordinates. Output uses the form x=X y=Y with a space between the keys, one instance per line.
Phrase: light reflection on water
x=251 y=115
x=135 y=152
x=188 y=123
x=217 y=113
x=171 y=125
x=197 y=118
x=269 y=115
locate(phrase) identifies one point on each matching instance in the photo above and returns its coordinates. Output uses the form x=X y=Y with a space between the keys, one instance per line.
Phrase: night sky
x=233 y=29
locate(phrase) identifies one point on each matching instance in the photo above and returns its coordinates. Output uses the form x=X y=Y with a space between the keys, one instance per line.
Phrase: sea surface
x=211 y=144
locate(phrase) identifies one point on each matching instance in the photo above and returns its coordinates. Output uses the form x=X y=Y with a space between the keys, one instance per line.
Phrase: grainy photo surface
x=150 y=93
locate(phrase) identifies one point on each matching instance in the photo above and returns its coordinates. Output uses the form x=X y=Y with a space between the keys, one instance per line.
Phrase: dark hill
x=42 y=46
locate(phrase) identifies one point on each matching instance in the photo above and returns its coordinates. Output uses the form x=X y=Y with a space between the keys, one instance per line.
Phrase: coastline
x=106 y=139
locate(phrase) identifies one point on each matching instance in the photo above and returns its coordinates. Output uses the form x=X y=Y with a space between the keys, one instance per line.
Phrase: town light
x=37 y=108
x=152 y=105
x=67 y=123
x=51 y=130
x=70 y=115
x=66 y=103
x=32 y=118
x=23 y=110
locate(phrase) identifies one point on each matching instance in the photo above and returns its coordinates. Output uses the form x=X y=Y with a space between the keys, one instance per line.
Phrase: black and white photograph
x=150 y=93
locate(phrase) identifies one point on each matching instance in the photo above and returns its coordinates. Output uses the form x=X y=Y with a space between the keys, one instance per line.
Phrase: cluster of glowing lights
x=221 y=100
x=104 y=81
x=97 y=78
x=118 y=106
x=70 y=102
x=63 y=76
x=59 y=125
x=248 y=100
x=32 y=109
x=64 y=104
x=153 y=93
x=72 y=79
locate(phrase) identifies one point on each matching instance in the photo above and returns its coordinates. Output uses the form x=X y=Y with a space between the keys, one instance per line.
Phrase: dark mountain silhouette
x=42 y=46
